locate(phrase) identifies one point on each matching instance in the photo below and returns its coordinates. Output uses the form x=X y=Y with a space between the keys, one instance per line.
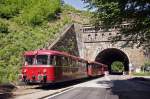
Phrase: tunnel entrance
x=110 y=55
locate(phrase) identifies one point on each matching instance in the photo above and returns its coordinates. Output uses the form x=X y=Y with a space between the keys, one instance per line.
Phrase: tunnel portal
x=108 y=56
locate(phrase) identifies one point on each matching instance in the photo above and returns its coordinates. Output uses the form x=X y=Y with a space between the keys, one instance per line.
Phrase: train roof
x=51 y=52
x=94 y=62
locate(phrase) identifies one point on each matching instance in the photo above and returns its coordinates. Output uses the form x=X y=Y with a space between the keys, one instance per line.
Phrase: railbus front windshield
x=29 y=60
x=39 y=60
x=42 y=60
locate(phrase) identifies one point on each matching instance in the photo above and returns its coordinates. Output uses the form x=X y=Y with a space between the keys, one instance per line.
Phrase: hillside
x=28 y=25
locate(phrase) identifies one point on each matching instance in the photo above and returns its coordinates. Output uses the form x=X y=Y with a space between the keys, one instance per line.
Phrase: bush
x=117 y=66
x=38 y=11
x=10 y=8
x=3 y=27
x=31 y=12
x=146 y=66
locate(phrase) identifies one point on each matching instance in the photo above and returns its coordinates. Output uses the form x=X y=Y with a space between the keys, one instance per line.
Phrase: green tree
x=146 y=66
x=108 y=13
x=117 y=66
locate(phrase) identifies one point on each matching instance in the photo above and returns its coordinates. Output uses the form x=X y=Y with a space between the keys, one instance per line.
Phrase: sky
x=78 y=4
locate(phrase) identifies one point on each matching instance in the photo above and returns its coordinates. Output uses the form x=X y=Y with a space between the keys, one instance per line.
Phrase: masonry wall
x=135 y=55
x=88 y=45
x=96 y=41
x=66 y=41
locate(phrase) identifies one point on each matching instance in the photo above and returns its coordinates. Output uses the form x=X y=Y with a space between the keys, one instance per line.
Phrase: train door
x=65 y=68
x=87 y=69
x=58 y=67
x=90 y=69
x=102 y=69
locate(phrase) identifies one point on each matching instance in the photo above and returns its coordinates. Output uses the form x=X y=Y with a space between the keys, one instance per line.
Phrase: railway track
x=39 y=92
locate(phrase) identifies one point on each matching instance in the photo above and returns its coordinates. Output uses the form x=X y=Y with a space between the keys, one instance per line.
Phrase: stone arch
x=109 y=55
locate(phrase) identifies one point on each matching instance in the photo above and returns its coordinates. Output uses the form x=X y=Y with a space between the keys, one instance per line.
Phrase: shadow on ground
x=6 y=91
x=64 y=84
x=135 y=88
x=116 y=73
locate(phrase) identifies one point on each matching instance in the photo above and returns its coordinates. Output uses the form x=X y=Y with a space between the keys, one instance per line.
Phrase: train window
x=79 y=63
x=71 y=62
x=75 y=62
x=65 y=61
x=84 y=64
x=29 y=60
x=42 y=59
x=58 y=61
x=52 y=60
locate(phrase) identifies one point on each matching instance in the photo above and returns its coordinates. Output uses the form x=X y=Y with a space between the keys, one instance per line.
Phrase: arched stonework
x=110 y=55
x=93 y=42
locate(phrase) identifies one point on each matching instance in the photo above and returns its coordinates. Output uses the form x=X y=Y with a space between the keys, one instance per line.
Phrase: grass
x=141 y=74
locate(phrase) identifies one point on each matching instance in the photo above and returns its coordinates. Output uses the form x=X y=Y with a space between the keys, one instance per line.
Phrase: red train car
x=96 y=69
x=47 y=66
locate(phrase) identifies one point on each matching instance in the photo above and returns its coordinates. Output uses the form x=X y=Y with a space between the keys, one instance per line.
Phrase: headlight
x=44 y=70
x=25 y=70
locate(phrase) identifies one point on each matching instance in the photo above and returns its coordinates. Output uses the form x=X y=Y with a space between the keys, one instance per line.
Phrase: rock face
x=91 y=44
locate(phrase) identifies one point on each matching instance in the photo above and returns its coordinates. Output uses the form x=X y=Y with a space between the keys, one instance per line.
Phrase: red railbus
x=47 y=66
x=96 y=68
